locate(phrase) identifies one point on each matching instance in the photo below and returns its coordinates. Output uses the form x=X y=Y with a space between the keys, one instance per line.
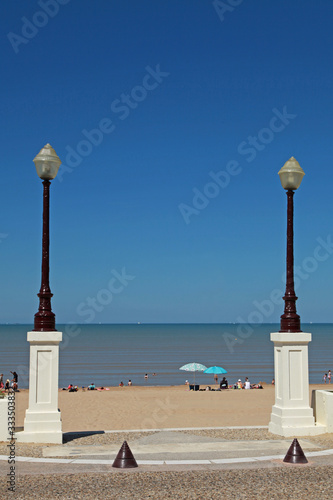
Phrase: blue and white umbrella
x=193 y=367
x=217 y=370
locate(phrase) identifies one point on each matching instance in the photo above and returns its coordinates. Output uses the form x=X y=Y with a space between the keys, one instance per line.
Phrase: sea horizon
x=174 y=323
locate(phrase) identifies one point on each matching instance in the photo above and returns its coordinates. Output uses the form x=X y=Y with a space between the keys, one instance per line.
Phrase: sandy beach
x=159 y=407
x=167 y=407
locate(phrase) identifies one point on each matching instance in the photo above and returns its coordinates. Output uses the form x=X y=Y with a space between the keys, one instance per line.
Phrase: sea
x=109 y=354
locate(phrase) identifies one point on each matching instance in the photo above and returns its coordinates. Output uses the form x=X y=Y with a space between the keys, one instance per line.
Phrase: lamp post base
x=294 y=422
x=41 y=427
x=42 y=423
x=290 y=324
x=291 y=415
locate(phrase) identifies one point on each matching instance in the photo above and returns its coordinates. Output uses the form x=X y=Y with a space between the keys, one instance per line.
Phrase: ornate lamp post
x=291 y=414
x=42 y=423
x=291 y=175
x=47 y=165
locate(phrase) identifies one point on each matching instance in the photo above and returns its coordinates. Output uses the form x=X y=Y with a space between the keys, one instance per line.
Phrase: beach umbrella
x=193 y=367
x=217 y=370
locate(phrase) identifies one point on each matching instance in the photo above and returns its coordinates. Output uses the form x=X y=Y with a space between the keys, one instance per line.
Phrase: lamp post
x=291 y=414
x=47 y=165
x=291 y=175
x=42 y=423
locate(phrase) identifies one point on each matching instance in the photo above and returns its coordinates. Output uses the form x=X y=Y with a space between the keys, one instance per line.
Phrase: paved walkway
x=166 y=449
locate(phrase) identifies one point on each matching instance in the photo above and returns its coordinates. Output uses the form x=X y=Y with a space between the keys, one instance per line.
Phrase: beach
x=122 y=408
x=136 y=409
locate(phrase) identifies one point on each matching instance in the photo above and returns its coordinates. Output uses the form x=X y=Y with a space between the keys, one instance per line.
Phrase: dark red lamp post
x=291 y=175
x=47 y=165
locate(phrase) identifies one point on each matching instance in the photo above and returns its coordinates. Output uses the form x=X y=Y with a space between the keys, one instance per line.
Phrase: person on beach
x=7 y=384
x=239 y=384
x=216 y=378
x=129 y=383
x=146 y=376
x=325 y=377
x=247 y=384
x=224 y=383
x=258 y=386
x=329 y=376
x=1 y=380
x=15 y=378
x=91 y=387
x=121 y=384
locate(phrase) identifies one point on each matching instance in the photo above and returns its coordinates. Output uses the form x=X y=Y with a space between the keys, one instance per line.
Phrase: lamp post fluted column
x=45 y=318
x=290 y=320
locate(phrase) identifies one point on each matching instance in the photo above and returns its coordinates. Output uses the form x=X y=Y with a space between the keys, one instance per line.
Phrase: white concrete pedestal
x=291 y=415
x=42 y=423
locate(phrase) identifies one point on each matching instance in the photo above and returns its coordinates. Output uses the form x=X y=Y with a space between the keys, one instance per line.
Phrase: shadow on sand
x=70 y=436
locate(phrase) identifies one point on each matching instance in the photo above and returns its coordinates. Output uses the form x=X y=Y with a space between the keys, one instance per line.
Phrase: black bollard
x=124 y=459
x=295 y=454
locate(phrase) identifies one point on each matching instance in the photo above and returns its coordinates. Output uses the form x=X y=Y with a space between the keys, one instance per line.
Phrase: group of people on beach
x=239 y=384
x=129 y=383
x=9 y=384
x=327 y=377
x=72 y=388
x=247 y=384
x=92 y=387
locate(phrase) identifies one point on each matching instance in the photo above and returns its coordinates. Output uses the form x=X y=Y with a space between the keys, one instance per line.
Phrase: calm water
x=108 y=354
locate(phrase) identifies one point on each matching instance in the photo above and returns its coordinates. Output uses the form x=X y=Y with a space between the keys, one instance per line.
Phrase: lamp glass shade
x=47 y=163
x=291 y=174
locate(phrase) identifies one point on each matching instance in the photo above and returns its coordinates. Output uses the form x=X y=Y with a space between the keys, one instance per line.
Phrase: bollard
x=295 y=454
x=124 y=459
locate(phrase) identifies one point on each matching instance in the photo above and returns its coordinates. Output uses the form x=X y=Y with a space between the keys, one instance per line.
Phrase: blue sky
x=172 y=120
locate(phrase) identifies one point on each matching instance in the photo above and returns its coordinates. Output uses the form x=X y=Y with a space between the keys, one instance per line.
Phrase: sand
x=168 y=407
x=123 y=408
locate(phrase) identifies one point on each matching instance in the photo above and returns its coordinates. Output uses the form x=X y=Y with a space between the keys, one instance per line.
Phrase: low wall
x=4 y=419
x=322 y=404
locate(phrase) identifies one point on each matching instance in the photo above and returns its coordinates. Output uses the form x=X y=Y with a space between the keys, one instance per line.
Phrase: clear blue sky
x=181 y=91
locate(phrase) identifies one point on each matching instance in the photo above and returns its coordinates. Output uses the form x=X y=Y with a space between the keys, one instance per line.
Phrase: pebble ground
x=279 y=481
x=310 y=483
